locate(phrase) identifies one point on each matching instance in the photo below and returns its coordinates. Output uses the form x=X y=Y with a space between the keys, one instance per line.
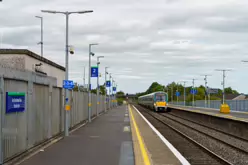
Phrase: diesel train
x=156 y=101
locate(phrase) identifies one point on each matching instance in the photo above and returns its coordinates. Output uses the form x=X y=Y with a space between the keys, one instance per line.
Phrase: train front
x=160 y=102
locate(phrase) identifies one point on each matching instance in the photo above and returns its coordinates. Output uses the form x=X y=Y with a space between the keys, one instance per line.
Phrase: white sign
x=212 y=90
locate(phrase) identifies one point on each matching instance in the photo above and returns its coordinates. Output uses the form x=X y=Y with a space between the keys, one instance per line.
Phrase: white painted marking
x=166 y=142
x=126 y=129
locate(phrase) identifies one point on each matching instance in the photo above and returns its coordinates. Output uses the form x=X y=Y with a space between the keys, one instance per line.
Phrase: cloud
x=142 y=41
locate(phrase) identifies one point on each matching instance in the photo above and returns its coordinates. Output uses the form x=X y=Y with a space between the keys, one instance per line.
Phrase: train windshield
x=160 y=97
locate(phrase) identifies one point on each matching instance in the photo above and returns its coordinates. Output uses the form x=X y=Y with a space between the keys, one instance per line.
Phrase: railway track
x=215 y=147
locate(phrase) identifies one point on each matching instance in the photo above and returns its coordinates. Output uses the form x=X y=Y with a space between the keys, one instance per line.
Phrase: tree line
x=155 y=87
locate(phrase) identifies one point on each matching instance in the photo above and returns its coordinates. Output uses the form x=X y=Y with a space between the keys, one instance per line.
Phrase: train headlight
x=154 y=104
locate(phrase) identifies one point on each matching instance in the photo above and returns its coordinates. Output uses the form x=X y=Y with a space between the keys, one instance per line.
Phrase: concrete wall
x=49 y=69
x=13 y=61
x=22 y=62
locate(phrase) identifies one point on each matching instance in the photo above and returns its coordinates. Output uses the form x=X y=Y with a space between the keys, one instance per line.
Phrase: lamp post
x=193 y=99
x=41 y=40
x=109 y=89
x=223 y=82
x=105 y=105
x=84 y=77
x=89 y=85
x=184 y=93
x=113 y=92
x=116 y=85
x=206 y=82
x=98 y=99
x=66 y=121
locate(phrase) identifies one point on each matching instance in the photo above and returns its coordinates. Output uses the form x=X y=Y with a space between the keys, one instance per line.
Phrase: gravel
x=221 y=149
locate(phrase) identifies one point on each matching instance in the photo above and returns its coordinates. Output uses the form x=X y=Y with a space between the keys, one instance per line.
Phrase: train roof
x=151 y=94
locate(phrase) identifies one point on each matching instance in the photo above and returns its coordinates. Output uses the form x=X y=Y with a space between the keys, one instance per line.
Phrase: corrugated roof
x=31 y=54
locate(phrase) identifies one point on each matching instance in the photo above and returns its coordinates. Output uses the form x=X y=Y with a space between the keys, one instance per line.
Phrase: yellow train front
x=156 y=101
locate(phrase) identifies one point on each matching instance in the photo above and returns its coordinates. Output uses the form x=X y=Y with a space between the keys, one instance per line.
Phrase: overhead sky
x=142 y=40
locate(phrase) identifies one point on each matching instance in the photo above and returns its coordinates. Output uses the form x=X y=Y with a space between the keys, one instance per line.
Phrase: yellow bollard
x=224 y=108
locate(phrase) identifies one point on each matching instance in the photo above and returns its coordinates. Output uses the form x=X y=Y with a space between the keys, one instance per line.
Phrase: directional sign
x=108 y=84
x=94 y=71
x=212 y=90
x=193 y=91
x=177 y=93
x=15 y=102
x=68 y=84
x=114 y=89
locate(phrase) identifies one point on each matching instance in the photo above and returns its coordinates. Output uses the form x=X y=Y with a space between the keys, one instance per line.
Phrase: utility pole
x=206 y=82
x=223 y=82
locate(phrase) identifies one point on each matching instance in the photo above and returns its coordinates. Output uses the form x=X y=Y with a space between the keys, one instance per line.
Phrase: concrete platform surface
x=235 y=115
x=158 y=151
x=106 y=140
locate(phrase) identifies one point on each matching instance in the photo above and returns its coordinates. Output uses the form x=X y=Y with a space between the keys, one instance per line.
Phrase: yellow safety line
x=141 y=143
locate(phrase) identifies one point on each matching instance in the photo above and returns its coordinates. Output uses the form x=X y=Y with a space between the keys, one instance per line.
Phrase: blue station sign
x=193 y=91
x=15 y=102
x=94 y=71
x=108 y=84
x=68 y=84
x=114 y=89
x=177 y=93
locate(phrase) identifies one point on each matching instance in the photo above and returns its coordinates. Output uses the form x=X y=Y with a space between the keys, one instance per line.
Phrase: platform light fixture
x=66 y=13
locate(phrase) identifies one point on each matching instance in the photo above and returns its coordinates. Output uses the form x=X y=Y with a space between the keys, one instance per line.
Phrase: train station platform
x=234 y=115
x=121 y=136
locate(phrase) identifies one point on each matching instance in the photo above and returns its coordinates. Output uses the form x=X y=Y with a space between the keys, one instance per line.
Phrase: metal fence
x=235 y=105
x=43 y=117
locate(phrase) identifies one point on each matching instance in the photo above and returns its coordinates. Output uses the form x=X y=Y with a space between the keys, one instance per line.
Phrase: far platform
x=234 y=115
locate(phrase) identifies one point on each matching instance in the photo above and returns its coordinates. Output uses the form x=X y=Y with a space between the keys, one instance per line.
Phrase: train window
x=160 y=97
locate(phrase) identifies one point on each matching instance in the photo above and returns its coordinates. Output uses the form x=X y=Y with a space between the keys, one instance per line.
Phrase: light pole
x=89 y=85
x=223 y=82
x=109 y=89
x=193 y=102
x=177 y=93
x=105 y=105
x=184 y=92
x=116 y=85
x=67 y=106
x=84 y=77
x=98 y=99
x=41 y=40
x=206 y=82
x=113 y=92
x=172 y=93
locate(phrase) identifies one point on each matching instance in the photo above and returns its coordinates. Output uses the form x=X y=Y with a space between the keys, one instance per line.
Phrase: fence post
x=50 y=111
x=30 y=112
x=1 y=118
